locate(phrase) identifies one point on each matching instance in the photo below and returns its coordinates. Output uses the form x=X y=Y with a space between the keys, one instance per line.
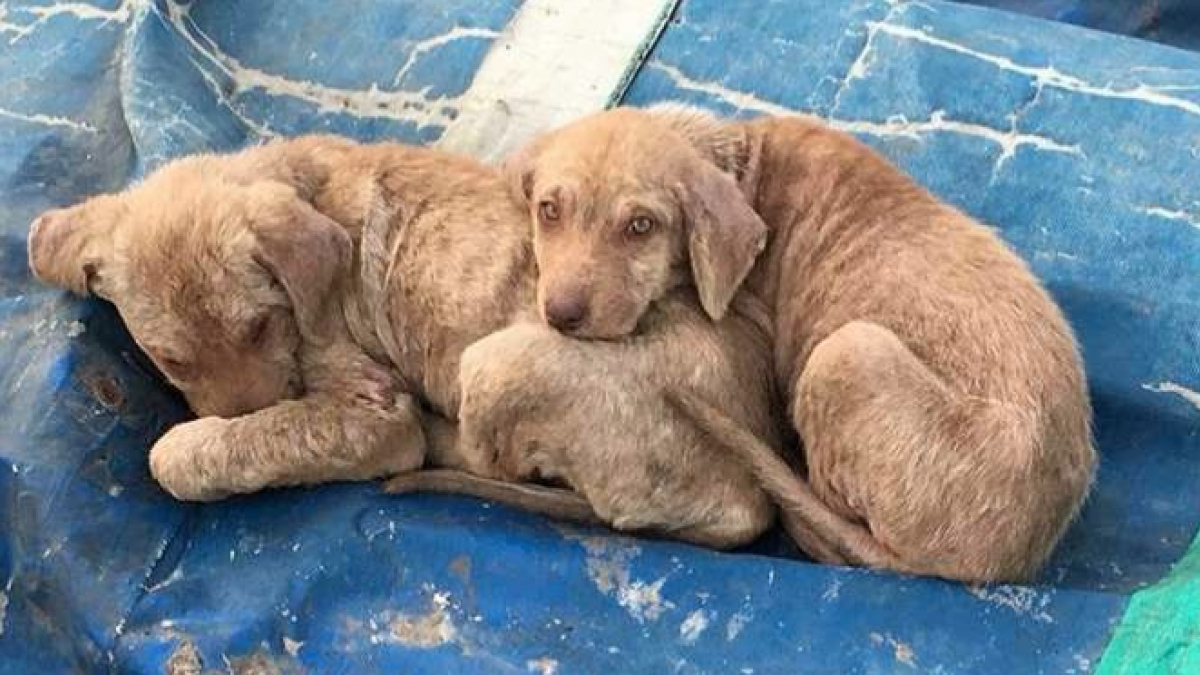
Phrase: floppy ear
x=71 y=248
x=725 y=236
x=307 y=252
x=518 y=169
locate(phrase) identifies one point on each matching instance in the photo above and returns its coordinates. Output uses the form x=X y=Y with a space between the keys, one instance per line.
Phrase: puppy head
x=628 y=204
x=219 y=275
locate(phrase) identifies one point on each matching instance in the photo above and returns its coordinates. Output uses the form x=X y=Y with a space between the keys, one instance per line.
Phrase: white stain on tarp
x=643 y=600
x=371 y=102
x=1189 y=395
x=694 y=626
x=425 y=630
x=1171 y=214
x=1009 y=140
x=422 y=629
x=542 y=666
x=1020 y=600
x=608 y=563
x=1048 y=76
x=901 y=651
x=737 y=623
x=175 y=575
x=292 y=647
x=832 y=590
x=42 y=14
x=3 y=610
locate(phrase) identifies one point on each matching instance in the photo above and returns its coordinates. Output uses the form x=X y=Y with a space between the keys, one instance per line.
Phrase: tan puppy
x=314 y=299
x=937 y=388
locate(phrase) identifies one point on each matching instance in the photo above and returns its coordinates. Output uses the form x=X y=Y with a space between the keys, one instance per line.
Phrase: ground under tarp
x=1082 y=148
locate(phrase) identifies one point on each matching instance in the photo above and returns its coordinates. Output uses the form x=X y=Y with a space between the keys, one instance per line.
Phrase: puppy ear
x=724 y=144
x=307 y=252
x=72 y=248
x=725 y=236
x=518 y=169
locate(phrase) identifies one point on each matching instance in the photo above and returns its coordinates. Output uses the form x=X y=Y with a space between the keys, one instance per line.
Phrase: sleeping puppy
x=937 y=388
x=329 y=309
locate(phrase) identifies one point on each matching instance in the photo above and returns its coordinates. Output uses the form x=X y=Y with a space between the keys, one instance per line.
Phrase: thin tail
x=553 y=502
x=821 y=533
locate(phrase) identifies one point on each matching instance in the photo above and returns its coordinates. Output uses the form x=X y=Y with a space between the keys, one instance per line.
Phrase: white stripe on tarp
x=555 y=61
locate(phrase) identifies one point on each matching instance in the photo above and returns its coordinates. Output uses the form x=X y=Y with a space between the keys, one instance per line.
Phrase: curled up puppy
x=336 y=311
x=936 y=386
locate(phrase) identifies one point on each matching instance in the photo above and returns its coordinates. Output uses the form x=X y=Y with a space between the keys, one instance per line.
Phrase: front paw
x=182 y=460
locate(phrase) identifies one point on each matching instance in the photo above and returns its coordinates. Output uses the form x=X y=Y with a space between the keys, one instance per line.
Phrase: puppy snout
x=567 y=312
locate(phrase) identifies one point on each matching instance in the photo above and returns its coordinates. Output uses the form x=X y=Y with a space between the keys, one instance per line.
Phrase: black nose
x=566 y=313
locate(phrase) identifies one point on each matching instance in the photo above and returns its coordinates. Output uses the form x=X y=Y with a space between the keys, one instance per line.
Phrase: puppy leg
x=945 y=481
x=315 y=439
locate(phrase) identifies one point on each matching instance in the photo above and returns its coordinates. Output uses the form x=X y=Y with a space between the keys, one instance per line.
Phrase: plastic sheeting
x=1082 y=148
x=1171 y=22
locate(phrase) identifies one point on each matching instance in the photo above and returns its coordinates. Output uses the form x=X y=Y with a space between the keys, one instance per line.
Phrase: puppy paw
x=183 y=464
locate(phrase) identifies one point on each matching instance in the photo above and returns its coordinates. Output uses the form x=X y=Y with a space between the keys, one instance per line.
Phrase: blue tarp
x=1171 y=22
x=1082 y=148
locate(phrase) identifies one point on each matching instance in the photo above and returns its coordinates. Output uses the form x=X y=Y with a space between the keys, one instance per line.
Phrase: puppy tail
x=553 y=502
x=822 y=534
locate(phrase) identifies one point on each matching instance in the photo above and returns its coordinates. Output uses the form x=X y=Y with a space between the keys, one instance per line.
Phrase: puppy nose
x=566 y=313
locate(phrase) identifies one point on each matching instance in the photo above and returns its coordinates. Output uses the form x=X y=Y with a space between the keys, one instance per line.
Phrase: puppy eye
x=548 y=210
x=640 y=226
x=258 y=331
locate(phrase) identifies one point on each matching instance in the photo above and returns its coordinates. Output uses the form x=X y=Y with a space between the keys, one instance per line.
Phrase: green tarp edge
x=1160 y=630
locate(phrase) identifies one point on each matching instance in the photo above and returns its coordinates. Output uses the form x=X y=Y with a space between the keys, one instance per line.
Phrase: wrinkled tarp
x=1171 y=22
x=1082 y=148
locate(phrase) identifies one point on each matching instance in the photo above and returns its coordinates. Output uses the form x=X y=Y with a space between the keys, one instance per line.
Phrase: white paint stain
x=1046 y=76
x=1009 y=141
x=901 y=651
x=429 y=44
x=47 y=120
x=422 y=630
x=542 y=666
x=608 y=561
x=643 y=600
x=737 y=623
x=3 y=609
x=1020 y=600
x=292 y=647
x=832 y=590
x=175 y=575
x=862 y=63
x=370 y=102
x=694 y=626
x=1190 y=395
x=1171 y=214
x=77 y=10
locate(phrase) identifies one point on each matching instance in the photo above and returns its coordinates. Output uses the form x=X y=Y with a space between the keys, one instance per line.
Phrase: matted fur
x=330 y=308
x=936 y=386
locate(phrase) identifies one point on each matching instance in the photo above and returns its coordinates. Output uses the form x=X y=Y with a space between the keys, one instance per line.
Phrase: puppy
x=937 y=388
x=330 y=309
